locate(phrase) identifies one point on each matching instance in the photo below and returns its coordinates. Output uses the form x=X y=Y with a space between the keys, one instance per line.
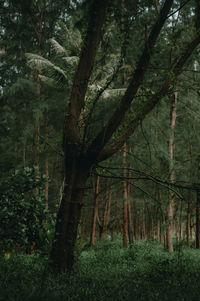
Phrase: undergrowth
x=106 y=272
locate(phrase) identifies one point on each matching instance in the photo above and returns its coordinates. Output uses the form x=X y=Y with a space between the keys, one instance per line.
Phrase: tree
x=82 y=156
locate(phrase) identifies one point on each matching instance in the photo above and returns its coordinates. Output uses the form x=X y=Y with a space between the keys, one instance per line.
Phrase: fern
x=58 y=48
x=71 y=60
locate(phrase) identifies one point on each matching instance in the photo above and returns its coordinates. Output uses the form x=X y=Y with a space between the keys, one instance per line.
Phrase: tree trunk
x=46 y=159
x=36 y=142
x=130 y=224
x=125 y=202
x=106 y=214
x=170 y=211
x=130 y=220
x=77 y=163
x=198 y=220
x=95 y=212
x=188 y=223
x=158 y=230
x=136 y=227
x=143 y=227
x=68 y=219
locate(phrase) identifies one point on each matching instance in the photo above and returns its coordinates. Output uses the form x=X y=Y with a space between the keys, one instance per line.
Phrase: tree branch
x=117 y=118
x=175 y=72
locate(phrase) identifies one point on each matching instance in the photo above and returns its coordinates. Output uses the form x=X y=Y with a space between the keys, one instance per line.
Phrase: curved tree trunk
x=68 y=219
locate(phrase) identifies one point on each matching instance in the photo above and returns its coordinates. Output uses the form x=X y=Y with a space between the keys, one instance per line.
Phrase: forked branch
x=148 y=106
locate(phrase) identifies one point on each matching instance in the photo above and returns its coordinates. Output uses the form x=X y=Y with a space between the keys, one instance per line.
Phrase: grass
x=106 y=272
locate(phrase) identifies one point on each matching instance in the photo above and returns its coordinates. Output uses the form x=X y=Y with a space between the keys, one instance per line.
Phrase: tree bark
x=136 y=224
x=130 y=224
x=130 y=219
x=68 y=219
x=188 y=223
x=143 y=226
x=170 y=210
x=198 y=220
x=95 y=212
x=106 y=214
x=125 y=201
x=46 y=159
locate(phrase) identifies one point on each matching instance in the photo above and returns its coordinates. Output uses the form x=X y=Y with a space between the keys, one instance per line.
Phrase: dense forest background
x=142 y=179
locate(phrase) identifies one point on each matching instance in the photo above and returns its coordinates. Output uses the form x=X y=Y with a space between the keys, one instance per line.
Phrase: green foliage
x=24 y=216
x=106 y=272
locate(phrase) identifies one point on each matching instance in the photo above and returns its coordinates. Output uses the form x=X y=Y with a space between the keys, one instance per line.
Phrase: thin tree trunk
x=170 y=211
x=158 y=230
x=125 y=203
x=188 y=223
x=130 y=224
x=143 y=227
x=106 y=214
x=95 y=212
x=36 y=142
x=198 y=220
x=46 y=159
x=136 y=227
x=130 y=220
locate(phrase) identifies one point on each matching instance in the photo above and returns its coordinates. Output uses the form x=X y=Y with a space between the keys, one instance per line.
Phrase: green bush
x=25 y=219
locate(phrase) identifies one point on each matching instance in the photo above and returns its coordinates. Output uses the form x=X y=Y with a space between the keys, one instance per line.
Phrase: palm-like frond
x=58 y=48
x=38 y=62
x=71 y=60
x=74 y=38
x=48 y=81
x=113 y=93
x=41 y=64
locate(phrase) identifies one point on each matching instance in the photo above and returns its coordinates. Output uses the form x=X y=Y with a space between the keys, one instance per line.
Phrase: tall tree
x=85 y=141
x=81 y=158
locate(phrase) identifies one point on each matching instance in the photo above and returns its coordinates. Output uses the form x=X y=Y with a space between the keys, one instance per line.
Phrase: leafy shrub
x=25 y=218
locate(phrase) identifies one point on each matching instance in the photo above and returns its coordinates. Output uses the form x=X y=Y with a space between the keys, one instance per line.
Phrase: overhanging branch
x=117 y=118
x=175 y=72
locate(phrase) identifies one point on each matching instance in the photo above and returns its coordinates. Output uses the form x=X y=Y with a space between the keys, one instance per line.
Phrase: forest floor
x=106 y=272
